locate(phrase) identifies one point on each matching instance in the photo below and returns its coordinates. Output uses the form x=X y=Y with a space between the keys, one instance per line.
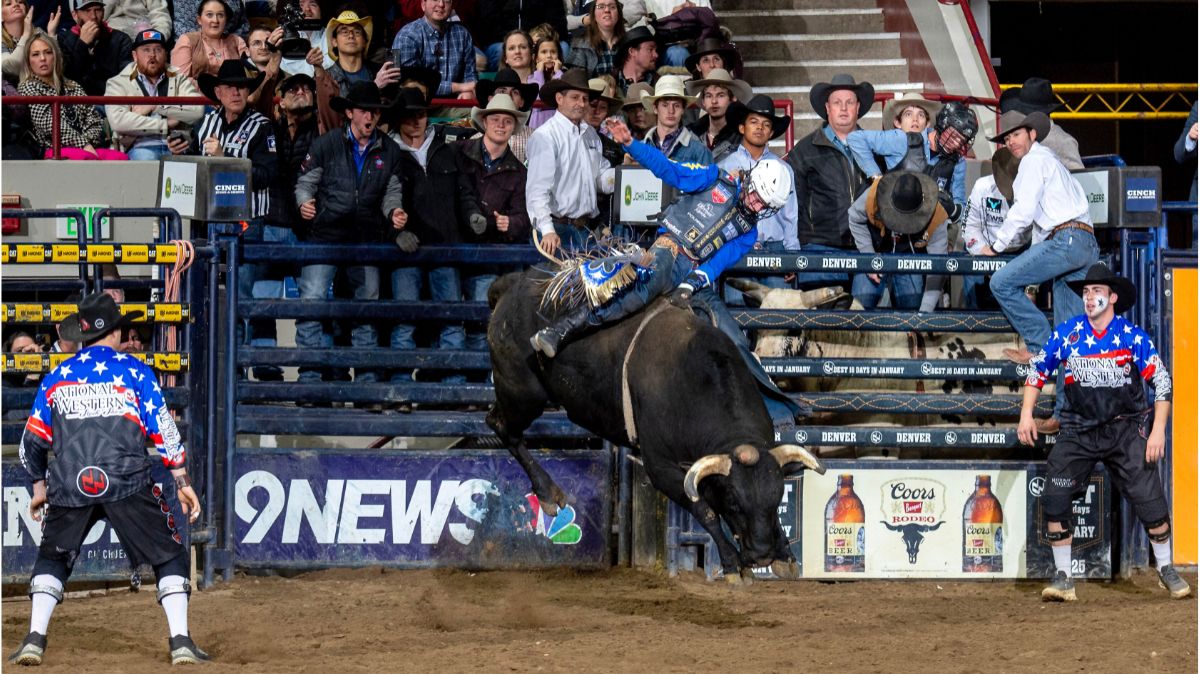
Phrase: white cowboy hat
x=500 y=103
x=668 y=86
x=912 y=99
x=601 y=85
x=720 y=77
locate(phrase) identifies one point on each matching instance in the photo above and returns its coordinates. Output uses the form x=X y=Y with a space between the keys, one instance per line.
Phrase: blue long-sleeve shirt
x=782 y=225
x=892 y=145
x=692 y=178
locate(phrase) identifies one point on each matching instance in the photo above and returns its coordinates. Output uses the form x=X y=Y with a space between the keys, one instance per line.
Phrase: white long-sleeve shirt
x=566 y=169
x=986 y=209
x=1045 y=195
x=782 y=225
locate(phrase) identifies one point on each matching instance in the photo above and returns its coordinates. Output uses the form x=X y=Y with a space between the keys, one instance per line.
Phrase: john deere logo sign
x=167 y=188
x=628 y=195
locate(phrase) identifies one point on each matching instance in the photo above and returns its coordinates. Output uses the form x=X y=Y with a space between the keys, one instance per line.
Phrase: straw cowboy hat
x=507 y=77
x=602 y=86
x=893 y=108
x=668 y=86
x=573 y=79
x=759 y=105
x=234 y=73
x=1004 y=171
x=98 y=315
x=720 y=77
x=820 y=91
x=346 y=18
x=500 y=104
x=1099 y=275
x=907 y=200
x=711 y=45
x=1036 y=95
x=1015 y=119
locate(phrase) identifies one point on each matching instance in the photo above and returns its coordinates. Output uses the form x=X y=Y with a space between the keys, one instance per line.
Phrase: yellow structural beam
x=1111 y=87
x=1111 y=101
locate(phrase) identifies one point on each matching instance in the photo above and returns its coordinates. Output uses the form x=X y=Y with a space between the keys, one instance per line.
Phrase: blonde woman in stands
x=81 y=130
x=18 y=29
x=204 y=50
x=595 y=48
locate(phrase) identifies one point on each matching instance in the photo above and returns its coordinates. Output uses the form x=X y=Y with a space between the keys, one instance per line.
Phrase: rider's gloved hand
x=681 y=296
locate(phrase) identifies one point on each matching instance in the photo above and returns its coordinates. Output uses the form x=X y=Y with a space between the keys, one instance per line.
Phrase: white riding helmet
x=770 y=180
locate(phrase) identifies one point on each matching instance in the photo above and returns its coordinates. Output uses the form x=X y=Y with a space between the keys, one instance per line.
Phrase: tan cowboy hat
x=346 y=18
x=1015 y=119
x=912 y=99
x=720 y=77
x=1004 y=171
x=502 y=104
x=668 y=86
x=601 y=85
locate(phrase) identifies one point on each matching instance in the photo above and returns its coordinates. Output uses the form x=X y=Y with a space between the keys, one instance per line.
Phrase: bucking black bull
x=698 y=421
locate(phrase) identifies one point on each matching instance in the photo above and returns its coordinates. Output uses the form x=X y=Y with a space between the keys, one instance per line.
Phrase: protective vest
x=704 y=221
x=941 y=171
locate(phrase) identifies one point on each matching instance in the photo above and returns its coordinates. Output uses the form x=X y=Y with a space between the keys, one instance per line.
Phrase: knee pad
x=170 y=586
x=1159 y=538
x=1056 y=536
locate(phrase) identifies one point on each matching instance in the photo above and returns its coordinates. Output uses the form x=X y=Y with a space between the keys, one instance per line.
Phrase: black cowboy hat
x=1036 y=95
x=907 y=200
x=233 y=72
x=1004 y=171
x=1099 y=275
x=98 y=315
x=507 y=77
x=286 y=85
x=759 y=105
x=362 y=95
x=1014 y=119
x=573 y=78
x=820 y=91
x=428 y=77
x=408 y=100
x=633 y=37
x=711 y=45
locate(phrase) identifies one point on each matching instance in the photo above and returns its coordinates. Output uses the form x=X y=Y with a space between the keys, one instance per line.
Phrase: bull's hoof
x=785 y=569
x=735 y=579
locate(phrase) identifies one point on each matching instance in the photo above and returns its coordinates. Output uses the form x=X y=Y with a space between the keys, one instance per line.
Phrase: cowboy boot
x=547 y=339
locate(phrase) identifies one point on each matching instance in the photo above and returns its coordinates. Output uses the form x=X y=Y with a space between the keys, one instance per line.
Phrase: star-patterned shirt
x=95 y=411
x=1105 y=371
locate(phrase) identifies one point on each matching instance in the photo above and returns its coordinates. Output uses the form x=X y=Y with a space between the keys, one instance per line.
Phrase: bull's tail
x=501 y=286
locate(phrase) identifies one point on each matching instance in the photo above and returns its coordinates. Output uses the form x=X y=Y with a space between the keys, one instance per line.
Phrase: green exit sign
x=67 y=228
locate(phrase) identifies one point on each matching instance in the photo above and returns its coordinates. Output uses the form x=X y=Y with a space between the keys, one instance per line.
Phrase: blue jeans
x=255 y=282
x=907 y=290
x=573 y=238
x=444 y=286
x=315 y=282
x=475 y=289
x=149 y=152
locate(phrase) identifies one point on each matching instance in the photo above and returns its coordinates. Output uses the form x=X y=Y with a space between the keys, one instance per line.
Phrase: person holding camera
x=144 y=130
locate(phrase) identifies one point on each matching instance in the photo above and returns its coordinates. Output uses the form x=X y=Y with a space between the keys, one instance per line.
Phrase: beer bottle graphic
x=845 y=529
x=983 y=530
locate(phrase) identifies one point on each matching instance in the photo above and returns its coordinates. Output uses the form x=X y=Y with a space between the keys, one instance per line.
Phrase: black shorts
x=143 y=522
x=1121 y=445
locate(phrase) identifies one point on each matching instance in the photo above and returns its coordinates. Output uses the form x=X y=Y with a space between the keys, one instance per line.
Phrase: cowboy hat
x=346 y=18
x=893 y=108
x=285 y=85
x=1036 y=95
x=98 y=315
x=573 y=78
x=720 y=77
x=907 y=200
x=1099 y=275
x=1014 y=119
x=507 y=77
x=602 y=86
x=730 y=57
x=233 y=72
x=668 y=86
x=820 y=91
x=409 y=100
x=363 y=96
x=500 y=104
x=759 y=105
x=428 y=77
x=633 y=37
x=1004 y=171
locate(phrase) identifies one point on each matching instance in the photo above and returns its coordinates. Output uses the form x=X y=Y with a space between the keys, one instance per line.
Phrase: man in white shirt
x=1049 y=200
x=566 y=167
x=987 y=206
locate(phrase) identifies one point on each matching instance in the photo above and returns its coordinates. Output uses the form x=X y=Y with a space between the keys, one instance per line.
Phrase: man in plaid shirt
x=436 y=42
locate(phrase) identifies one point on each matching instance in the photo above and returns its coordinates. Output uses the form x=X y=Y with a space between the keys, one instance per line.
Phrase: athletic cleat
x=1061 y=589
x=1168 y=579
x=34 y=646
x=185 y=652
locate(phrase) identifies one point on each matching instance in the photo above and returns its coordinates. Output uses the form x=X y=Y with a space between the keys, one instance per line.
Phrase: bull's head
x=913 y=534
x=748 y=497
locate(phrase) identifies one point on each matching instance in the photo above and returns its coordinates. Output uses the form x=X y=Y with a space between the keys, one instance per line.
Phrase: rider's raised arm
x=684 y=177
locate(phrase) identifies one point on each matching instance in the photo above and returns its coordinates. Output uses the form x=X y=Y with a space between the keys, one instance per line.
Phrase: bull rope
x=626 y=397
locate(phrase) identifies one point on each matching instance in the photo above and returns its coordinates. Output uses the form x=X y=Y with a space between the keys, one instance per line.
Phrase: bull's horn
x=786 y=454
x=747 y=455
x=753 y=289
x=713 y=464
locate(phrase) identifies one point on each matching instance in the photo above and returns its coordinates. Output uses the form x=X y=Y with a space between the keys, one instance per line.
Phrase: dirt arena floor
x=626 y=621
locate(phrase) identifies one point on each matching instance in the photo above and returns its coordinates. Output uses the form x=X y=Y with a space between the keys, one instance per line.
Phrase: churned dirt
x=626 y=621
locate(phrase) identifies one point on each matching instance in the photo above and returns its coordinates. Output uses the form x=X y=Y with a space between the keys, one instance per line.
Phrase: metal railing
x=1109 y=101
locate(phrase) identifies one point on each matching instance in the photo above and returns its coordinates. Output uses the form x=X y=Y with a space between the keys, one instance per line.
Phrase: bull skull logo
x=913 y=535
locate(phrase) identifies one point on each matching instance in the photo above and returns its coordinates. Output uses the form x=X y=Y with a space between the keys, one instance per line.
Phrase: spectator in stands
x=987 y=206
x=131 y=340
x=348 y=191
x=446 y=46
x=21 y=342
x=1185 y=153
x=81 y=130
x=18 y=143
x=599 y=108
x=717 y=90
x=523 y=95
x=133 y=16
x=189 y=17
x=319 y=52
x=1064 y=243
x=439 y=210
x=566 y=167
x=594 y=49
x=496 y=178
x=517 y=54
x=498 y=17
x=204 y=50
x=669 y=136
x=827 y=179
x=348 y=36
x=18 y=29
x=63 y=345
x=636 y=58
x=265 y=56
x=677 y=53
x=1037 y=95
x=142 y=130
x=92 y=51
x=639 y=119
x=712 y=53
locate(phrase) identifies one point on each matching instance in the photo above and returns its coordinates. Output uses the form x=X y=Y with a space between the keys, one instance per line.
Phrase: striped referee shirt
x=250 y=136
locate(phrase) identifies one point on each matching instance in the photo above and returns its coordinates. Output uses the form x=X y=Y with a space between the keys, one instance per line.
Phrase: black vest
x=704 y=221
